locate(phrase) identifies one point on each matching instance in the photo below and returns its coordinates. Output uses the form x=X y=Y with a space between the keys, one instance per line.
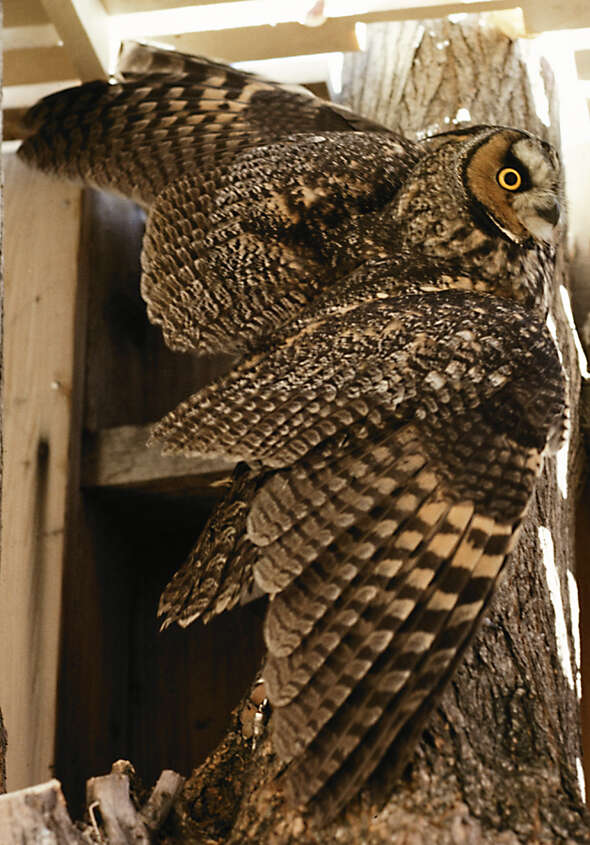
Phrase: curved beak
x=550 y=212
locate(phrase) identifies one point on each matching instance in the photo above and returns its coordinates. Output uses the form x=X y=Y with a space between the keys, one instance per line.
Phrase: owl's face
x=512 y=181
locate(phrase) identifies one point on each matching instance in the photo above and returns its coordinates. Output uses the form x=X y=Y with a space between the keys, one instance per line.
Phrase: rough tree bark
x=500 y=761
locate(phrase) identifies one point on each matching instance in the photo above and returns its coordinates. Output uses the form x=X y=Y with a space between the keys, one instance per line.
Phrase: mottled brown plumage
x=397 y=388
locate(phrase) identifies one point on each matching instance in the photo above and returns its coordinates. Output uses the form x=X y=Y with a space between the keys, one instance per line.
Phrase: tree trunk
x=500 y=761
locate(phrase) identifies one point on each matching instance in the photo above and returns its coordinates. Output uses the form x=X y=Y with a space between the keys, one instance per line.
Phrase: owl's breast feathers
x=398 y=440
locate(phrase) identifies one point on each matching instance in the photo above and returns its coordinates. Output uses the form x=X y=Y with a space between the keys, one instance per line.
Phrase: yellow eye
x=509 y=178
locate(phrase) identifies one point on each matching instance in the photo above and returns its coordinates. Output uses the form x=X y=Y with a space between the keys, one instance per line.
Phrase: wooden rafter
x=83 y=26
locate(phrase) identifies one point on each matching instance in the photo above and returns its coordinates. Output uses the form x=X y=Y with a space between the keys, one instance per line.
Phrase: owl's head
x=512 y=182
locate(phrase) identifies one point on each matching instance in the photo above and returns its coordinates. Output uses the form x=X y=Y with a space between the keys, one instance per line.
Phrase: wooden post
x=42 y=221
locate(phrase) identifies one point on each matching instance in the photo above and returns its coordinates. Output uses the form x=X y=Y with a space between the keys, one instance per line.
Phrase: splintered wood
x=39 y=814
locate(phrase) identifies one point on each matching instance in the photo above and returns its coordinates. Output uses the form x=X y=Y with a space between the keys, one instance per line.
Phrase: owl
x=395 y=387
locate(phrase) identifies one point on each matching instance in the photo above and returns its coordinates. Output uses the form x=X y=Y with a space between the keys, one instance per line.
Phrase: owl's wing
x=231 y=255
x=219 y=572
x=178 y=114
x=406 y=434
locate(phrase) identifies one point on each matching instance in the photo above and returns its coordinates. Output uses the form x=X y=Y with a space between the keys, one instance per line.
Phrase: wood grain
x=118 y=458
x=39 y=350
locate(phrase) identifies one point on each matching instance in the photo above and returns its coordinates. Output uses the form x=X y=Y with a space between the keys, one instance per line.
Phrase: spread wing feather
x=223 y=557
x=381 y=535
x=172 y=114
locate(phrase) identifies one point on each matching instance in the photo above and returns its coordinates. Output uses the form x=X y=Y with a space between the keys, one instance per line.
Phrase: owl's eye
x=509 y=178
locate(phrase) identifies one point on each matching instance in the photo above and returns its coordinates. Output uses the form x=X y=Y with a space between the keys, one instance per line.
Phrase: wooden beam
x=83 y=26
x=267 y=42
x=27 y=37
x=25 y=96
x=42 y=220
x=119 y=458
x=42 y=64
x=125 y=7
x=170 y=23
x=555 y=14
x=583 y=63
x=23 y=13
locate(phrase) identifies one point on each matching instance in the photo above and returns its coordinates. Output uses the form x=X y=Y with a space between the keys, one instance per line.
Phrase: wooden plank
x=555 y=14
x=25 y=96
x=125 y=7
x=27 y=37
x=267 y=42
x=274 y=39
x=84 y=28
x=42 y=221
x=23 y=13
x=118 y=458
x=583 y=63
x=253 y=43
x=41 y=64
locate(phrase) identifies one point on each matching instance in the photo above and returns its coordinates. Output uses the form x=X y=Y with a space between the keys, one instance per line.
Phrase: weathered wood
x=35 y=815
x=156 y=809
x=41 y=274
x=118 y=458
x=121 y=822
x=39 y=814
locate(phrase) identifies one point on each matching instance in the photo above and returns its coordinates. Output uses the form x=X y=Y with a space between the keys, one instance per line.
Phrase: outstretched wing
x=405 y=435
x=247 y=219
x=178 y=114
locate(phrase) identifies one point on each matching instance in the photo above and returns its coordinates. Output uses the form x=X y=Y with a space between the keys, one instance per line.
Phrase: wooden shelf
x=118 y=458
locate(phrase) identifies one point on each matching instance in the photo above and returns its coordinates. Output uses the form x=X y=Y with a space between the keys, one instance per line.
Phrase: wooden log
x=38 y=814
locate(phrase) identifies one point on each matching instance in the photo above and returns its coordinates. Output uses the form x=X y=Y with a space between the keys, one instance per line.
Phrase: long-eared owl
x=396 y=386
